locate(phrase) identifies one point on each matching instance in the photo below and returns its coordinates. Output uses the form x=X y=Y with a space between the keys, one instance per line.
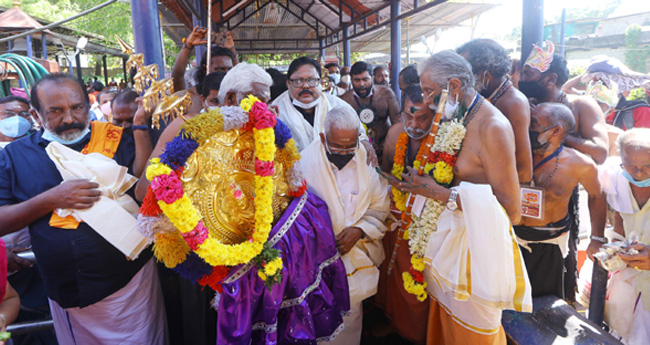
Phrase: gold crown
x=541 y=59
x=219 y=178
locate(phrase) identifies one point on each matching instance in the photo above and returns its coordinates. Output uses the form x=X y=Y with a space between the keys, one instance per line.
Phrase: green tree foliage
x=636 y=56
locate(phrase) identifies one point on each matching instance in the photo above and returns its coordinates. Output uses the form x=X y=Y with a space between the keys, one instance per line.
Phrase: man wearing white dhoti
x=103 y=287
x=304 y=105
x=626 y=180
x=335 y=168
x=464 y=250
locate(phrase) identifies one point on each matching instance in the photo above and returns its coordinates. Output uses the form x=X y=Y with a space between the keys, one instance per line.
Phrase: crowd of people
x=442 y=244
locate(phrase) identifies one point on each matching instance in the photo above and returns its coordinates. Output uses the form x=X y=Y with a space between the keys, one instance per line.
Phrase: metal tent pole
x=395 y=46
x=346 y=46
x=532 y=27
x=146 y=31
x=44 y=45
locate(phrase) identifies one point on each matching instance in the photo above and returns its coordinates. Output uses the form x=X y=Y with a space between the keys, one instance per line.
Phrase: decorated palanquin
x=227 y=208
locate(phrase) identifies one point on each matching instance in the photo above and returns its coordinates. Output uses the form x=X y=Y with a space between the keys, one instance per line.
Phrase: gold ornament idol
x=219 y=178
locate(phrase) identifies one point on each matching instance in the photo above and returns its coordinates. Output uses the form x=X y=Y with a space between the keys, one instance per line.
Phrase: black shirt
x=79 y=267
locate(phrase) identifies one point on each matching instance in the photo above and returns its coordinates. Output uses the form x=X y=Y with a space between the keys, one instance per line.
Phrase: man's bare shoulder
x=384 y=92
x=348 y=96
x=514 y=104
x=582 y=105
x=579 y=161
x=394 y=131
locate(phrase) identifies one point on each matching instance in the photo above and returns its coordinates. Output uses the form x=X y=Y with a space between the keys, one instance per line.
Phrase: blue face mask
x=15 y=126
x=47 y=135
x=644 y=183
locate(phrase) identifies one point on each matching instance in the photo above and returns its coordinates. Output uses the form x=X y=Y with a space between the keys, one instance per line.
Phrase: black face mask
x=534 y=140
x=339 y=160
x=532 y=89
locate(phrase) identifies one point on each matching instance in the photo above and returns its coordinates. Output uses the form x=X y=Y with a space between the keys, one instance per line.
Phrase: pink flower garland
x=197 y=236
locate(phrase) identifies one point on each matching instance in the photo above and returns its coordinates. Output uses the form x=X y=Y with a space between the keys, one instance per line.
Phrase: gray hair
x=341 y=117
x=447 y=65
x=636 y=139
x=559 y=114
x=240 y=79
x=486 y=55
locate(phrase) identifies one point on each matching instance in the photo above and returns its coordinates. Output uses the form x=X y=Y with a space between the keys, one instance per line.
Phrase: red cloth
x=641 y=116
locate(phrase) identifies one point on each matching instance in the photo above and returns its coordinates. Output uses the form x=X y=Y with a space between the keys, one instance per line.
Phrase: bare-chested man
x=375 y=104
x=542 y=83
x=491 y=64
x=558 y=170
x=407 y=315
x=473 y=227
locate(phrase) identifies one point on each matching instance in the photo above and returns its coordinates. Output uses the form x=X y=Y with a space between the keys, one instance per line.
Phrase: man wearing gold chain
x=463 y=248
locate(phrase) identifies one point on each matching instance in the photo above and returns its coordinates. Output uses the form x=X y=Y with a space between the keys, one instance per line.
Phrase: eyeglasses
x=341 y=151
x=311 y=82
x=9 y=113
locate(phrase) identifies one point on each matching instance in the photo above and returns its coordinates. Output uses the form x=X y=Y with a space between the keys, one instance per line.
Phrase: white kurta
x=474 y=266
x=356 y=196
x=301 y=130
x=627 y=309
x=134 y=314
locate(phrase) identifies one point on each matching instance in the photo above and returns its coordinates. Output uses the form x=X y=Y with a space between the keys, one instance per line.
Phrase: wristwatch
x=599 y=239
x=451 y=202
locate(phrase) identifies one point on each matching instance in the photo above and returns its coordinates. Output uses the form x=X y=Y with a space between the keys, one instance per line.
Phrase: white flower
x=422 y=227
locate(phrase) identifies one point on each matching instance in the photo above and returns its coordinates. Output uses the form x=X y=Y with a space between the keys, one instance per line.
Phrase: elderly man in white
x=626 y=180
x=304 y=105
x=358 y=203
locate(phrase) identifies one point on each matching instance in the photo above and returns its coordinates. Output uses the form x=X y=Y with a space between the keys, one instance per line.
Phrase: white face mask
x=336 y=77
x=15 y=126
x=49 y=136
x=450 y=109
x=345 y=79
x=306 y=106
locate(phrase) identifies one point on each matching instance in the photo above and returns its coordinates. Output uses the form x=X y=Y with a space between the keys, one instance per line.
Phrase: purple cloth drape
x=307 y=306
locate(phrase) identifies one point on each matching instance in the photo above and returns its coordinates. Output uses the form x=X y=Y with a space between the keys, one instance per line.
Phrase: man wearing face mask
x=303 y=106
x=15 y=119
x=491 y=64
x=541 y=81
x=334 y=72
x=86 y=277
x=473 y=232
x=345 y=83
x=358 y=204
x=557 y=171
x=375 y=104
x=407 y=315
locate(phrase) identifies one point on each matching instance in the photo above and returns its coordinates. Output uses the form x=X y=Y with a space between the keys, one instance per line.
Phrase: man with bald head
x=557 y=170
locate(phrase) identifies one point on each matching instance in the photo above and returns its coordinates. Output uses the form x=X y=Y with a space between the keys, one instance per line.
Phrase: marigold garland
x=440 y=164
x=166 y=195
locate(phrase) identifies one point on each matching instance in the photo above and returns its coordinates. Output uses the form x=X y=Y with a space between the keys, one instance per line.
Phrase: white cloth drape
x=301 y=131
x=371 y=207
x=474 y=267
x=114 y=215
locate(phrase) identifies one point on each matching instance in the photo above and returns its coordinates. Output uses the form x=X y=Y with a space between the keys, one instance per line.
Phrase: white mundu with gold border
x=474 y=268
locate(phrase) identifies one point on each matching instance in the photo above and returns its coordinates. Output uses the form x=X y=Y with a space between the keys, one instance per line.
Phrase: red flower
x=214 y=279
x=265 y=120
x=258 y=108
x=197 y=236
x=150 y=206
x=417 y=276
x=263 y=168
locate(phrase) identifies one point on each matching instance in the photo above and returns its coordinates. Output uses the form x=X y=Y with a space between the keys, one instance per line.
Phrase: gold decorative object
x=171 y=107
x=145 y=77
x=325 y=81
x=157 y=91
x=219 y=179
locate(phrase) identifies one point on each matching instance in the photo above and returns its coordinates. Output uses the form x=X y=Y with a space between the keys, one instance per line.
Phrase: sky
x=491 y=24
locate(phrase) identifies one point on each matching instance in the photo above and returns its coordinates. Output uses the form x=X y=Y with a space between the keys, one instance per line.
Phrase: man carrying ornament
x=464 y=252
x=227 y=207
x=357 y=199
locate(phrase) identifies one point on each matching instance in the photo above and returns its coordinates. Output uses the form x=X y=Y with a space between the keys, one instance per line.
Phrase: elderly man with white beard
x=357 y=199
x=303 y=106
